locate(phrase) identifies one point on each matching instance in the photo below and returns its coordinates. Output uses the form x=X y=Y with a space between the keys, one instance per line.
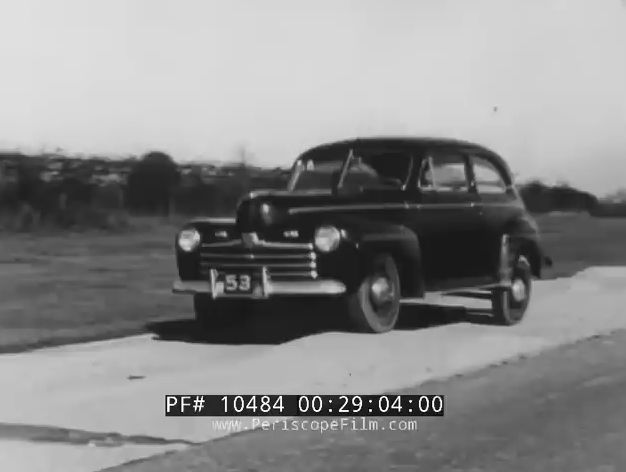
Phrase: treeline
x=542 y=198
x=32 y=196
x=156 y=186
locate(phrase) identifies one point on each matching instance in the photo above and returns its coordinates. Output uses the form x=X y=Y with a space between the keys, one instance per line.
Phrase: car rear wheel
x=509 y=304
x=215 y=314
x=375 y=306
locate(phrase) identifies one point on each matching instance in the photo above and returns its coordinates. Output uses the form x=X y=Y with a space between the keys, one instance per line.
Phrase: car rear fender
x=526 y=240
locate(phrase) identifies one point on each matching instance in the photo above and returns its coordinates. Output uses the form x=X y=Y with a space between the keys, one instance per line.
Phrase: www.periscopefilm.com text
x=319 y=425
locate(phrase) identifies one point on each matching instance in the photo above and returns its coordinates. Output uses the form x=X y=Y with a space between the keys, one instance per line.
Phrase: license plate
x=237 y=283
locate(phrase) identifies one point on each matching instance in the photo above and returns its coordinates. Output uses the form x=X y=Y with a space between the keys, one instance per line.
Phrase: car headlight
x=327 y=238
x=188 y=239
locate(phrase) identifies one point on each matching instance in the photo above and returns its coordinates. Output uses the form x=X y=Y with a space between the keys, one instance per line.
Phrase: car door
x=497 y=202
x=446 y=219
x=421 y=219
x=379 y=178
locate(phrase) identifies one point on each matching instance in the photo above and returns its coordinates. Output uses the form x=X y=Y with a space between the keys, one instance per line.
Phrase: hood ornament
x=249 y=240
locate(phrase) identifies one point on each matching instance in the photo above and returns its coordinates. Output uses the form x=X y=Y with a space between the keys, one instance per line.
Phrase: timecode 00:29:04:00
x=304 y=405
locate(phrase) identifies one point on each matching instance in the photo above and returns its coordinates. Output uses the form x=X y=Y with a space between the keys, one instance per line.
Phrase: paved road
x=564 y=410
x=84 y=407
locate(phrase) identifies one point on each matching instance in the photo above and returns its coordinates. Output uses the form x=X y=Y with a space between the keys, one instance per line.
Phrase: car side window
x=488 y=178
x=378 y=170
x=444 y=171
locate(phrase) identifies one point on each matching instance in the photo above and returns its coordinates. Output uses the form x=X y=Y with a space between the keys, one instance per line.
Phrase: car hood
x=270 y=212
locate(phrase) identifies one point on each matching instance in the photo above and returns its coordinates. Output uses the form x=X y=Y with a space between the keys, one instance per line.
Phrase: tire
x=216 y=314
x=371 y=314
x=509 y=305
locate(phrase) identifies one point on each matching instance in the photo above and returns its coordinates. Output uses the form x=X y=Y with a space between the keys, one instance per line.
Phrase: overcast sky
x=198 y=78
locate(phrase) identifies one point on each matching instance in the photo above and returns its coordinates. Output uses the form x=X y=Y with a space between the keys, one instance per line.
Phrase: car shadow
x=282 y=324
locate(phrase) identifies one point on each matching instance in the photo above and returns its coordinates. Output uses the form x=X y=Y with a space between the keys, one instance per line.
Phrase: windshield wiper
x=344 y=170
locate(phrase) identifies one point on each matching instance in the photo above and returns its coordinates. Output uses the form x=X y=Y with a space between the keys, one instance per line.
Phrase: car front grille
x=284 y=261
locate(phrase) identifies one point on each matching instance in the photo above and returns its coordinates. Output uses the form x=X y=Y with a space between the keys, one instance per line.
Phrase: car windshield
x=381 y=169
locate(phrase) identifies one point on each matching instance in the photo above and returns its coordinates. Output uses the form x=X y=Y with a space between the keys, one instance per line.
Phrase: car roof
x=408 y=143
x=402 y=142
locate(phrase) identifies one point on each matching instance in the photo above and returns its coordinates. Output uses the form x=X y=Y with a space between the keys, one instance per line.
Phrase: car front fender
x=364 y=239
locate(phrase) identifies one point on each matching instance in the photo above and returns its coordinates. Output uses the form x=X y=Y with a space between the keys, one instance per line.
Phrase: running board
x=480 y=293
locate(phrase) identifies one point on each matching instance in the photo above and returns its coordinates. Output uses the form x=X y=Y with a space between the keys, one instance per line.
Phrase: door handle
x=478 y=207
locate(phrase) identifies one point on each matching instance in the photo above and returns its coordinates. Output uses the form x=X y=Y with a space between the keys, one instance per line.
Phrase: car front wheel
x=375 y=306
x=509 y=304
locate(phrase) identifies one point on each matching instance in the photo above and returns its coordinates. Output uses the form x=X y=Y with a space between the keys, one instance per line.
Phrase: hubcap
x=381 y=291
x=518 y=290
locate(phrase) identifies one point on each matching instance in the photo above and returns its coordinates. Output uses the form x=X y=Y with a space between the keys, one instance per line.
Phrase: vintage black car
x=371 y=224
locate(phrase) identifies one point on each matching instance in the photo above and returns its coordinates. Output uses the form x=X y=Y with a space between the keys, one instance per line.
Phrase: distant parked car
x=372 y=223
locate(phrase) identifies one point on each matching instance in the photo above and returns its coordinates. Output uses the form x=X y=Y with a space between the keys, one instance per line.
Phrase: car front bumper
x=269 y=288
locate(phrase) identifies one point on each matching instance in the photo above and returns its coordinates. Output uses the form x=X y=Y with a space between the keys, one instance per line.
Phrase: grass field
x=576 y=241
x=64 y=288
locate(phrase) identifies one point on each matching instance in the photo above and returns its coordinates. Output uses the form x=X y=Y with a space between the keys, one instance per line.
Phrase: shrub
x=151 y=184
